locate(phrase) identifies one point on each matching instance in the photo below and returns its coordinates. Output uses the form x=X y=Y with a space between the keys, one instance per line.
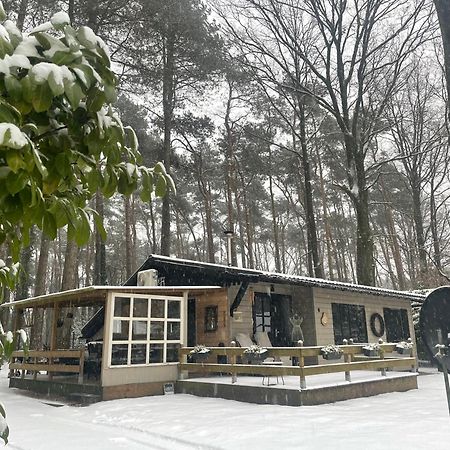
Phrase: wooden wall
x=323 y=298
x=222 y=334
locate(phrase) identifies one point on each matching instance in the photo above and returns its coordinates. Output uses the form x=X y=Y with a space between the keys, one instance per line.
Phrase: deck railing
x=352 y=355
x=50 y=361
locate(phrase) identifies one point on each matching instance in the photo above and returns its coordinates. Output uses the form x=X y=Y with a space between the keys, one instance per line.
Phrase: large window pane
x=140 y=307
x=157 y=331
x=122 y=307
x=139 y=330
x=173 y=331
x=173 y=309
x=349 y=321
x=121 y=330
x=119 y=355
x=156 y=353
x=157 y=308
x=138 y=353
x=172 y=352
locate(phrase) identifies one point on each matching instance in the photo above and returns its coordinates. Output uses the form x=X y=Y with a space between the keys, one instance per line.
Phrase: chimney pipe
x=229 y=235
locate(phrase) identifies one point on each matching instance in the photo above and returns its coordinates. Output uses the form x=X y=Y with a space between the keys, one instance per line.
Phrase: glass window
x=156 y=353
x=138 y=353
x=173 y=309
x=122 y=307
x=396 y=322
x=145 y=330
x=139 y=330
x=173 y=331
x=349 y=321
x=156 y=331
x=158 y=307
x=172 y=352
x=121 y=330
x=140 y=307
x=119 y=355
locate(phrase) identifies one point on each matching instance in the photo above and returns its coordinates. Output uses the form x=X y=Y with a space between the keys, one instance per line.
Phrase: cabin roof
x=97 y=294
x=190 y=272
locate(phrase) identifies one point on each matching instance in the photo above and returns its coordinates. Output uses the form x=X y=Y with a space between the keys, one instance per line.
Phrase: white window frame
x=130 y=318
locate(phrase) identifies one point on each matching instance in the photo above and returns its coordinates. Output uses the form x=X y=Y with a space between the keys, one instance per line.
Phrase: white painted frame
x=109 y=322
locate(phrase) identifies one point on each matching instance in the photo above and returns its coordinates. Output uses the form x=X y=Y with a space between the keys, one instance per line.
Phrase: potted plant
x=255 y=353
x=404 y=348
x=331 y=352
x=371 y=350
x=199 y=353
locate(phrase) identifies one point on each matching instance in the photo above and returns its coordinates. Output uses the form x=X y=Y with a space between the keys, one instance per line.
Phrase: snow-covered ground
x=414 y=420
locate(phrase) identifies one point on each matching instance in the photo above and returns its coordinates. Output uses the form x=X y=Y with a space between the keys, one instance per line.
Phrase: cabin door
x=281 y=308
x=191 y=323
x=271 y=314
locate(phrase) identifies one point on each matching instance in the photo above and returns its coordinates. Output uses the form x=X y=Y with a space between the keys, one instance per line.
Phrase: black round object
x=377 y=324
x=434 y=322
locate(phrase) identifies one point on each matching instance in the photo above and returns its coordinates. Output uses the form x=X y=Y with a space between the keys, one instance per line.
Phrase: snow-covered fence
x=354 y=356
x=51 y=362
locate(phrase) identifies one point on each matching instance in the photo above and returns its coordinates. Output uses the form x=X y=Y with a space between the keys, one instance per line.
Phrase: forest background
x=316 y=130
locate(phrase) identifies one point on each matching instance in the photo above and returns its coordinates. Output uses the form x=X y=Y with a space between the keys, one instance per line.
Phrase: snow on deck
x=312 y=382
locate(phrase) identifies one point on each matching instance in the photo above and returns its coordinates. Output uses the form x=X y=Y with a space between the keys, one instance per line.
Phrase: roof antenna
x=229 y=235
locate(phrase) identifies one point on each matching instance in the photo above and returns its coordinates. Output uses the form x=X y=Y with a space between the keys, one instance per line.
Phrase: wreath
x=377 y=324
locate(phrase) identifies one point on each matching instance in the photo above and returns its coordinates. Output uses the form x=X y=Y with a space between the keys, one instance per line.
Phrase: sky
x=414 y=420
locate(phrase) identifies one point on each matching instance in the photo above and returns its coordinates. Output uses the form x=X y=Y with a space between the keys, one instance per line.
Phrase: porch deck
x=64 y=387
x=325 y=388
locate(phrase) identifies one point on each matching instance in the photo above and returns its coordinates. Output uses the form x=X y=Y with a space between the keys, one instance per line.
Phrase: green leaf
x=14 y=160
x=49 y=225
x=57 y=86
x=2 y=13
x=63 y=57
x=13 y=86
x=42 y=97
x=96 y=99
x=9 y=113
x=37 y=160
x=99 y=224
x=15 y=183
x=27 y=89
x=83 y=231
x=74 y=94
x=110 y=93
x=161 y=186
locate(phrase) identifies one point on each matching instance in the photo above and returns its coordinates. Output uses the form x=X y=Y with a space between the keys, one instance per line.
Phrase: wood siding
x=222 y=334
x=323 y=298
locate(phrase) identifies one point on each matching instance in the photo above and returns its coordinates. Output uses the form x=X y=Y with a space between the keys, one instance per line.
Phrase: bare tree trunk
x=22 y=14
x=100 y=276
x=168 y=106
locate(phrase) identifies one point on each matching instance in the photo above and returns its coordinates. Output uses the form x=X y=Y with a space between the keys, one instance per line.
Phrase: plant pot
x=331 y=355
x=199 y=357
x=371 y=352
x=255 y=357
x=403 y=351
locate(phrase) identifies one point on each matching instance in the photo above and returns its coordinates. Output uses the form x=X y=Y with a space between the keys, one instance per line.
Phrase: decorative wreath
x=377 y=324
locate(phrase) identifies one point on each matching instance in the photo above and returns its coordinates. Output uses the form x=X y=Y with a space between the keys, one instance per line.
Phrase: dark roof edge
x=273 y=277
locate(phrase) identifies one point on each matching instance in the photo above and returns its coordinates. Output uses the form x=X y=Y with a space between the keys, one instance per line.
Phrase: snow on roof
x=287 y=278
x=73 y=293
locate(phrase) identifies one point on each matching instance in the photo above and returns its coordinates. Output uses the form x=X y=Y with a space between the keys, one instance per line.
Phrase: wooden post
x=53 y=335
x=415 y=367
x=383 y=370
x=17 y=314
x=347 y=359
x=233 y=362
x=81 y=372
x=301 y=364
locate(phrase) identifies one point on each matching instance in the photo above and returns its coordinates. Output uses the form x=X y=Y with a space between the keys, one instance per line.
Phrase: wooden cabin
x=128 y=345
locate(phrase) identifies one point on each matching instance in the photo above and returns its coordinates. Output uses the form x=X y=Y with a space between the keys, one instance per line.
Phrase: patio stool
x=272 y=363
